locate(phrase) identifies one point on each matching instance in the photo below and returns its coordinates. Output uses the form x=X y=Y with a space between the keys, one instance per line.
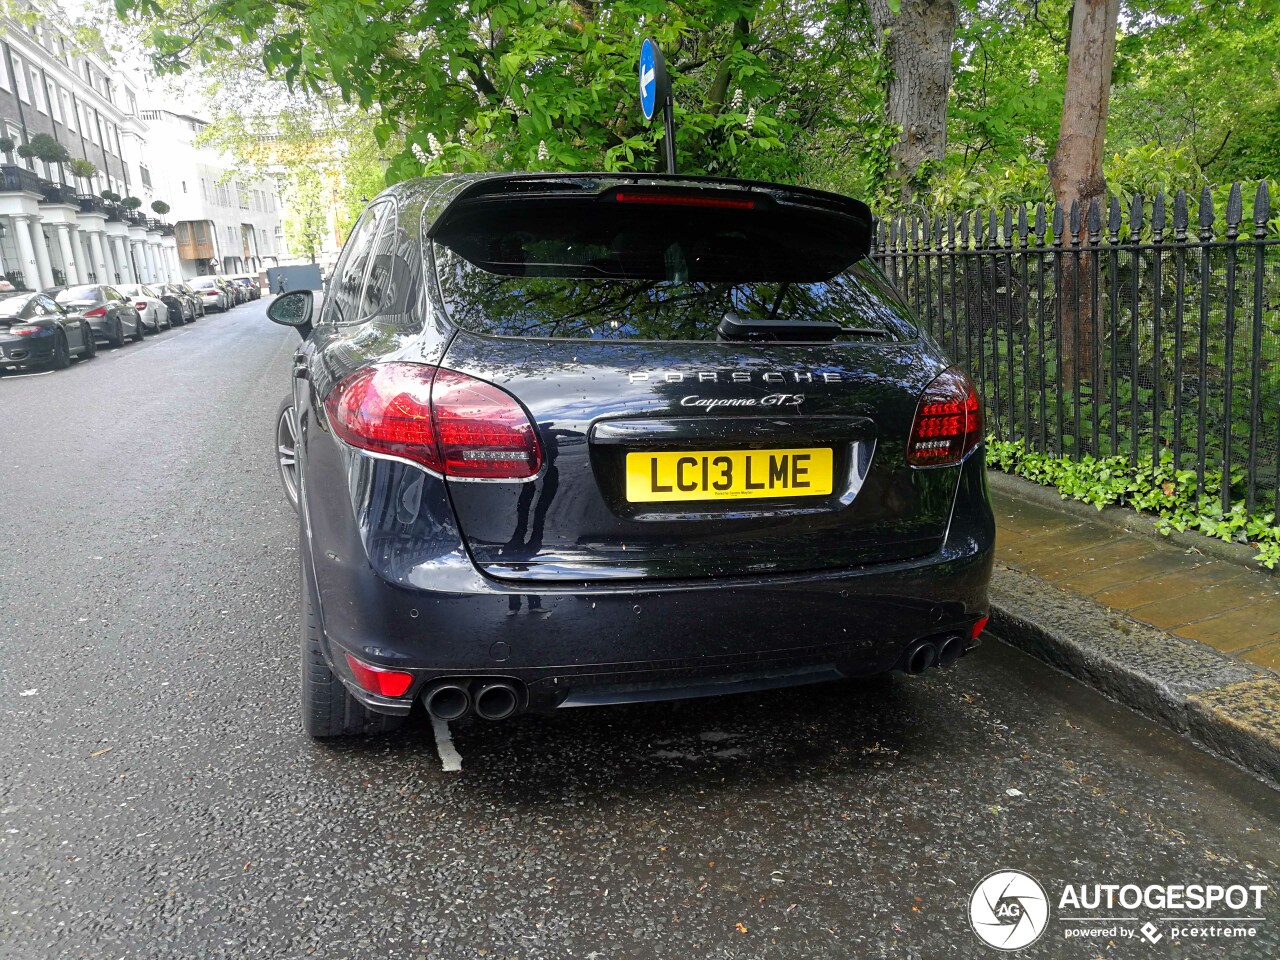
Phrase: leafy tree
x=130 y=203
x=159 y=207
x=527 y=84
x=83 y=169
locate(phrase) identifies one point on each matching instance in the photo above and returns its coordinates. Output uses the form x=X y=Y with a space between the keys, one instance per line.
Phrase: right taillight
x=948 y=423
x=96 y=312
x=445 y=420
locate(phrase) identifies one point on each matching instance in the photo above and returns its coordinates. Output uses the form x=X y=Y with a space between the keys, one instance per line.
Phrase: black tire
x=90 y=346
x=61 y=354
x=142 y=330
x=117 y=338
x=328 y=710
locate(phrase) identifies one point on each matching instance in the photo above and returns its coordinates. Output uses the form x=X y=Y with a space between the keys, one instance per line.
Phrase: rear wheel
x=117 y=335
x=142 y=329
x=328 y=710
x=90 y=346
x=61 y=354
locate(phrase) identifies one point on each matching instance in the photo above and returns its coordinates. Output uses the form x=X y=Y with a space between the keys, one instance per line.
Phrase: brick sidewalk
x=1225 y=605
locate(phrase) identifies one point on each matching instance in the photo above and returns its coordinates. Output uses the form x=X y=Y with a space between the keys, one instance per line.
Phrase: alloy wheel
x=287 y=453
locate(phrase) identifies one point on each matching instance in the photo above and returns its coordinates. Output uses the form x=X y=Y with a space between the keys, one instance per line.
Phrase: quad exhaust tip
x=496 y=701
x=447 y=701
x=924 y=654
x=453 y=699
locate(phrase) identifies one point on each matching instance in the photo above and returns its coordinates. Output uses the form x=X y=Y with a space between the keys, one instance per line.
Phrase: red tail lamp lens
x=948 y=423
x=379 y=680
x=141 y=304
x=685 y=200
x=96 y=312
x=482 y=431
x=977 y=628
x=442 y=419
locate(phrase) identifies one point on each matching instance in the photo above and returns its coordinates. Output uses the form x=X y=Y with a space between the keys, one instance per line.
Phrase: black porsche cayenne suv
x=565 y=440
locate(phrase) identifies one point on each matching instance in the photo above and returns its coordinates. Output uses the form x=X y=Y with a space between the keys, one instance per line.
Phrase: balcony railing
x=16 y=179
x=58 y=193
x=91 y=204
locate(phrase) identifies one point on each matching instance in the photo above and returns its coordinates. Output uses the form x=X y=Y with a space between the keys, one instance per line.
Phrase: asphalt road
x=157 y=798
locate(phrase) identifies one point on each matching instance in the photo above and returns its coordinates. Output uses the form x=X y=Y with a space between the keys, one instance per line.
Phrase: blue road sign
x=649 y=57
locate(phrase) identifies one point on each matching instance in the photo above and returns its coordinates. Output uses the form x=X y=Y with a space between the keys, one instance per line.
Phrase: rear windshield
x=583 y=270
x=203 y=284
x=79 y=295
x=12 y=306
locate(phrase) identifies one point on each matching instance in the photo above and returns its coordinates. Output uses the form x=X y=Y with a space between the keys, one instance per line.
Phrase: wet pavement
x=157 y=798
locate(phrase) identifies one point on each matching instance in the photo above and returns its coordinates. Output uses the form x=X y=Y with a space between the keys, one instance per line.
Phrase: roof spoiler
x=606 y=186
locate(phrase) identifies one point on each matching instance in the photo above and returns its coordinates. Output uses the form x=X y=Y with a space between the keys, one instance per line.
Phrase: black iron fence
x=1146 y=337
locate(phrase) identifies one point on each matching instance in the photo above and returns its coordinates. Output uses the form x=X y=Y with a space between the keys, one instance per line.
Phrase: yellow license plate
x=728 y=474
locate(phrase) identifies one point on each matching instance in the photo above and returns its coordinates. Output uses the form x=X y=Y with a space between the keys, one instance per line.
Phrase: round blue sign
x=650 y=67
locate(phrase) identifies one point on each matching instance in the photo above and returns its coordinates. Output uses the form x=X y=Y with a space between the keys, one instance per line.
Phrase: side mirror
x=293 y=309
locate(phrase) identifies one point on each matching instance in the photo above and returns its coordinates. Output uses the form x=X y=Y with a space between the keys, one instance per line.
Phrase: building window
x=145 y=174
x=4 y=73
x=37 y=89
x=184 y=186
x=19 y=78
x=68 y=112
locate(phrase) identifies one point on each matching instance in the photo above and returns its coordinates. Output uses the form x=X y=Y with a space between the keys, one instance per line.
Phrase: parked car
x=153 y=310
x=250 y=283
x=112 y=316
x=686 y=421
x=181 y=306
x=211 y=291
x=35 y=330
x=193 y=295
x=238 y=292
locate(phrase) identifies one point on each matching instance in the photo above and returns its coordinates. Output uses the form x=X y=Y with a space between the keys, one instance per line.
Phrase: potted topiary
x=6 y=147
x=131 y=203
x=83 y=170
x=160 y=207
x=110 y=196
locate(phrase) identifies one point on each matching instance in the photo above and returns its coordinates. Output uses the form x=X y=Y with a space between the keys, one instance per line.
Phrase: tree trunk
x=1076 y=172
x=917 y=42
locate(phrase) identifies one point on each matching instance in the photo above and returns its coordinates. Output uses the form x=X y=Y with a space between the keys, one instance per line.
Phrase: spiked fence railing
x=1139 y=341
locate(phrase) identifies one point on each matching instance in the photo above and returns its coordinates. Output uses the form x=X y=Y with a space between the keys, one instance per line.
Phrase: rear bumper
x=576 y=644
x=21 y=351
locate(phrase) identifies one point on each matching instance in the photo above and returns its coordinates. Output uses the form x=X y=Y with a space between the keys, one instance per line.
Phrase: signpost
x=655 y=91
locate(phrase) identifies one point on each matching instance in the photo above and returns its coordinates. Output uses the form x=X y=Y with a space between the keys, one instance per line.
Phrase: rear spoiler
x=610 y=187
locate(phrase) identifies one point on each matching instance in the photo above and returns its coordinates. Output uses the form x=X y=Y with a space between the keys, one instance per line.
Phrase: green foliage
x=46 y=148
x=159 y=207
x=6 y=145
x=110 y=196
x=1170 y=495
x=131 y=203
x=82 y=168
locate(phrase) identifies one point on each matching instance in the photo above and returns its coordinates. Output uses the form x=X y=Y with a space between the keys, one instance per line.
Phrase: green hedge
x=1168 y=494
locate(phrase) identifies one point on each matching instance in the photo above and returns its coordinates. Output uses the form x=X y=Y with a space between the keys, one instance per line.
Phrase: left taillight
x=379 y=680
x=26 y=331
x=448 y=421
x=141 y=304
x=96 y=312
x=948 y=421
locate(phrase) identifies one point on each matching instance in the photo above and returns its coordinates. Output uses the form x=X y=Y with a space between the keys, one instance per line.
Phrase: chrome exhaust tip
x=447 y=701
x=496 y=701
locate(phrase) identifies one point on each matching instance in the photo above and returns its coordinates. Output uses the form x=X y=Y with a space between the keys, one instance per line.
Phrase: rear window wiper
x=733 y=327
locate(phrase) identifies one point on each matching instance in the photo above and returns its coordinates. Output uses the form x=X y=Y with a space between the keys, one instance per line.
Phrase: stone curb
x=1223 y=704
x=1126 y=519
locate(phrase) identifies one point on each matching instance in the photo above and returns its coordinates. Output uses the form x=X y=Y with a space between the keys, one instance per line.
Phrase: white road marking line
x=450 y=759
x=20 y=376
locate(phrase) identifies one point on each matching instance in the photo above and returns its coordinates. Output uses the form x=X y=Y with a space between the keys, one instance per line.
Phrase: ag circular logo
x=1008 y=910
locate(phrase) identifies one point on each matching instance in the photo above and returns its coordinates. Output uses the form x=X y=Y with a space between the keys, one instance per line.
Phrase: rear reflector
x=948 y=423
x=977 y=628
x=379 y=680
x=445 y=420
x=685 y=200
